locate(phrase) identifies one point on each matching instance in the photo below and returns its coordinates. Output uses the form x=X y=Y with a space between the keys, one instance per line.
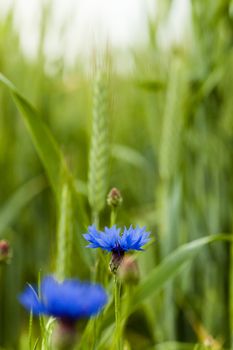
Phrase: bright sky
x=88 y=23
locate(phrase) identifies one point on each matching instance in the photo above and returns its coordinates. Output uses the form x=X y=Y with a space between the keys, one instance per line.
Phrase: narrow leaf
x=65 y=235
x=163 y=273
x=19 y=199
x=169 y=268
x=46 y=146
x=42 y=138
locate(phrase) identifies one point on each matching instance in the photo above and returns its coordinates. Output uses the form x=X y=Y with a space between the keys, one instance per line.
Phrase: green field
x=161 y=131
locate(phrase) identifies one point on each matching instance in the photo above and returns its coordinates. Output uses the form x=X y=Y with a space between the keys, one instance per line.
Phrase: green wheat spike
x=99 y=152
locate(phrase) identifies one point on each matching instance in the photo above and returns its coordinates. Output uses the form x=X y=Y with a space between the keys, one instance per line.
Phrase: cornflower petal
x=134 y=239
x=29 y=299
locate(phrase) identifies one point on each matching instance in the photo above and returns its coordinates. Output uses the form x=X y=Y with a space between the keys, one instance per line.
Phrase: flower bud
x=114 y=198
x=64 y=335
x=116 y=260
x=5 y=252
x=128 y=270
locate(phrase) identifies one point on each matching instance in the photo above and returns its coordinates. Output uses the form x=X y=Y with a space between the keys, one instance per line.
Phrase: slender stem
x=231 y=295
x=97 y=278
x=30 y=330
x=118 y=334
x=113 y=217
x=95 y=218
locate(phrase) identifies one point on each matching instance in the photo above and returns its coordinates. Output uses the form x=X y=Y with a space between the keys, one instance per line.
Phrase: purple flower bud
x=117 y=257
x=5 y=251
x=128 y=271
x=114 y=198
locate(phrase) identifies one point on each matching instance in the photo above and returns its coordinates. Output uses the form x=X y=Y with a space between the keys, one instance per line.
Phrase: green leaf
x=163 y=273
x=65 y=237
x=36 y=343
x=151 y=85
x=173 y=346
x=50 y=155
x=129 y=155
x=42 y=138
x=169 y=268
x=19 y=199
x=46 y=146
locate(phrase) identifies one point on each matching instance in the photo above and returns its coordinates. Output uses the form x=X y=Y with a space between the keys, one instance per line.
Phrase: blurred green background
x=171 y=146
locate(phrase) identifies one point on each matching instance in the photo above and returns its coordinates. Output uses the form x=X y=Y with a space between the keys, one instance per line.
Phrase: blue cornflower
x=69 y=300
x=112 y=240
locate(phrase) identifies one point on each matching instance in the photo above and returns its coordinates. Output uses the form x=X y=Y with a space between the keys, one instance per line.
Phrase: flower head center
x=118 y=249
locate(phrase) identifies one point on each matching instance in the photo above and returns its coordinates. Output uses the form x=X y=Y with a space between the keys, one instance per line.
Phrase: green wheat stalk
x=99 y=151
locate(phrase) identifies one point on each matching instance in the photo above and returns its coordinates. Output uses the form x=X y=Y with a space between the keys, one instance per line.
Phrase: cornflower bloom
x=112 y=240
x=68 y=301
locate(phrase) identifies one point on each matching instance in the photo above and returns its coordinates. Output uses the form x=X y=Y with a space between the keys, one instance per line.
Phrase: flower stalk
x=117 y=242
x=118 y=329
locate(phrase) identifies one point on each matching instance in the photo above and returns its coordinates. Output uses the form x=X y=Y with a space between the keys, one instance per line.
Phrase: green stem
x=96 y=274
x=30 y=330
x=231 y=295
x=113 y=217
x=118 y=333
x=98 y=277
x=95 y=218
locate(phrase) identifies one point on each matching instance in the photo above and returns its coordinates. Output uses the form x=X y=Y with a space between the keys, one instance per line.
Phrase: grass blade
x=65 y=236
x=169 y=268
x=19 y=199
x=42 y=138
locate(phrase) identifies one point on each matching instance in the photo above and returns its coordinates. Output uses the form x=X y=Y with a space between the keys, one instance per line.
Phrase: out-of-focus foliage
x=171 y=152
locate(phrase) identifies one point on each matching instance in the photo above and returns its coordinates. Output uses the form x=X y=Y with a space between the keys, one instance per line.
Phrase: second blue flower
x=117 y=242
